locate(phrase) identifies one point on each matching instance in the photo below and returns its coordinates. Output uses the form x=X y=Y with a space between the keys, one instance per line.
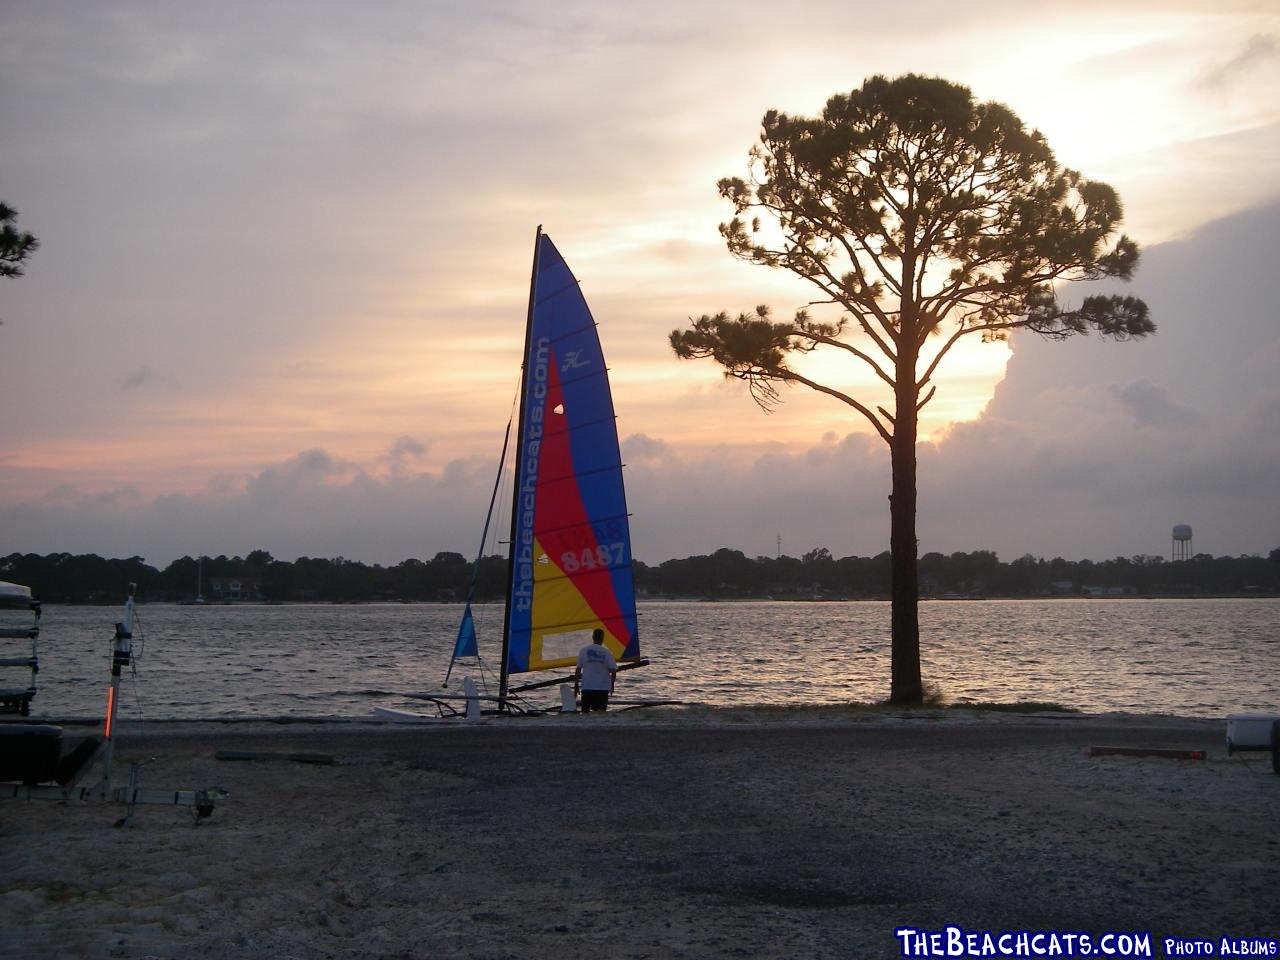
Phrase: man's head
x=597 y=635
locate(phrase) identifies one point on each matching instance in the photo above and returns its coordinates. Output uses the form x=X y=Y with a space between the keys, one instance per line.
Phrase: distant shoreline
x=142 y=601
x=723 y=575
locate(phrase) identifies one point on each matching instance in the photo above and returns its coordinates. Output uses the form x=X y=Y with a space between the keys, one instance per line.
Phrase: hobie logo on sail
x=522 y=595
x=573 y=360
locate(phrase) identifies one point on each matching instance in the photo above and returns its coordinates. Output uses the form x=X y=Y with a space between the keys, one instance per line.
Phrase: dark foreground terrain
x=690 y=835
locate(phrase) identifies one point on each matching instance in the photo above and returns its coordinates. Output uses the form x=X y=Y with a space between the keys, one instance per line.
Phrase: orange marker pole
x=111 y=711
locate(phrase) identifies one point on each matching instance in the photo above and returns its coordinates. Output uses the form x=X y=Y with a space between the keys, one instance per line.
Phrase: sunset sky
x=285 y=254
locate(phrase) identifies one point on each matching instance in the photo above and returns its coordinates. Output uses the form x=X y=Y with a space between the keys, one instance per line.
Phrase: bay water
x=1195 y=657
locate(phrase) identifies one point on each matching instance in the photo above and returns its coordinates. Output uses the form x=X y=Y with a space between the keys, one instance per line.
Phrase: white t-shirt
x=597 y=665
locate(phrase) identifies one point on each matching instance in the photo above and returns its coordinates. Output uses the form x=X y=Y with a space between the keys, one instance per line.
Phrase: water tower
x=1182 y=541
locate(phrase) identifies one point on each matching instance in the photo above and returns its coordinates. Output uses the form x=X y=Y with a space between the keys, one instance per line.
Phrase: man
x=594 y=673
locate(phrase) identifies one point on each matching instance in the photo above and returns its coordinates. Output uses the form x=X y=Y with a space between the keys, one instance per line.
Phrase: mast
x=515 y=486
x=475 y=567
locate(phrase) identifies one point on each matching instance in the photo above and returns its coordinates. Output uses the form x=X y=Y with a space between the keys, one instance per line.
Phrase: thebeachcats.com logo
x=953 y=941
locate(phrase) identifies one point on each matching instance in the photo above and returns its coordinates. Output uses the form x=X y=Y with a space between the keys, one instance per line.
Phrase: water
x=1203 y=658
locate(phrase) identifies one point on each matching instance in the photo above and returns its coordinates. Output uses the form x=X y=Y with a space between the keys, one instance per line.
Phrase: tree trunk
x=905 y=684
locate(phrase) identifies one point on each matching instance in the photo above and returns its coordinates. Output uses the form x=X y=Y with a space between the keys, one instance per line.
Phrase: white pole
x=121 y=657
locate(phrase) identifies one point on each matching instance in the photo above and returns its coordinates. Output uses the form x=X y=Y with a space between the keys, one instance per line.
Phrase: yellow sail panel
x=562 y=618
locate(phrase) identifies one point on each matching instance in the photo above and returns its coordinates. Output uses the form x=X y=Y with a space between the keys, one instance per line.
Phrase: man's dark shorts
x=595 y=700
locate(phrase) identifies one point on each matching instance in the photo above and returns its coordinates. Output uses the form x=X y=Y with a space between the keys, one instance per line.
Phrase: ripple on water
x=1191 y=657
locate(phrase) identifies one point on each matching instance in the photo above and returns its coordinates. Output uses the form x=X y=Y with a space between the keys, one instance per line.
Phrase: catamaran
x=569 y=565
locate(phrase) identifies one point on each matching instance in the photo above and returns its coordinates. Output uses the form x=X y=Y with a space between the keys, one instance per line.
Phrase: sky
x=285 y=251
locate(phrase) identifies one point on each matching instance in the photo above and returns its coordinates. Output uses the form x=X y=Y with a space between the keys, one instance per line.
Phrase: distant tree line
x=725 y=574
x=68 y=578
x=730 y=574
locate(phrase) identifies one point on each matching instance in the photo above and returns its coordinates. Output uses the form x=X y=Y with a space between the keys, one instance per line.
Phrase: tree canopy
x=908 y=204
x=15 y=246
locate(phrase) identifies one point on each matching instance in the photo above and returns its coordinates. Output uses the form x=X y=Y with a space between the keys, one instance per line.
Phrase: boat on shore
x=569 y=549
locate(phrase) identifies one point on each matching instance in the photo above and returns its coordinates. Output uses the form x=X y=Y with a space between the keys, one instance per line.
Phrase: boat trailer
x=33 y=765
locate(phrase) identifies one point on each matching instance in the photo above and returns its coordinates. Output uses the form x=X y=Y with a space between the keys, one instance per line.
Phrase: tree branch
x=849 y=348
x=928 y=397
x=822 y=388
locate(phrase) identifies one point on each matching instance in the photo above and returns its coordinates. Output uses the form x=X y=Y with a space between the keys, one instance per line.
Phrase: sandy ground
x=684 y=834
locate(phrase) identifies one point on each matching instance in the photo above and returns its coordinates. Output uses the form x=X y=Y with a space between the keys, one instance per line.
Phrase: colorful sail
x=571 y=543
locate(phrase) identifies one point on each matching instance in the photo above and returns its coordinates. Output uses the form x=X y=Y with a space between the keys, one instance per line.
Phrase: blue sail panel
x=466 y=645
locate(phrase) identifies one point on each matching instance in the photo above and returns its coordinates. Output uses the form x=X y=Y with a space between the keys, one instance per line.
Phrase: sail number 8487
x=606 y=555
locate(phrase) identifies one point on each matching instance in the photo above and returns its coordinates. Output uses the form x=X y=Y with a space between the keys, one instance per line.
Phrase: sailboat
x=197 y=600
x=569 y=565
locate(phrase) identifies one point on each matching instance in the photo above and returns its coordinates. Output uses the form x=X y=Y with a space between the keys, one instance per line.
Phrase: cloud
x=1151 y=406
x=139 y=378
x=308 y=471
x=406 y=447
x=312 y=504
x=744 y=497
x=145 y=378
x=639 y=447
x=1258 y=50
x=1094 y=449
x=403 y=452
